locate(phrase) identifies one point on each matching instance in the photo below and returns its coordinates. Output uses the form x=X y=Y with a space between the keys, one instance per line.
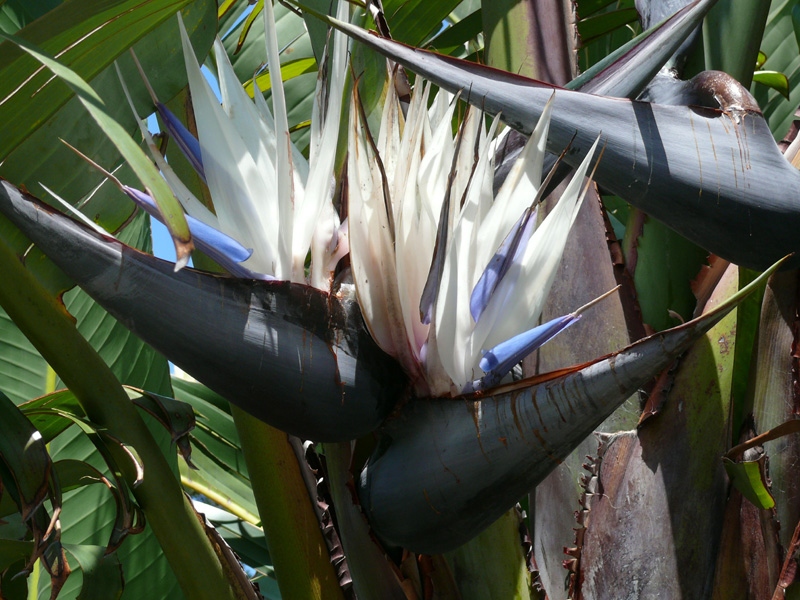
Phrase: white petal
x=517 y=192
x=453 y=320
x=372 y=251
x=232 y=175
x=319 y=188
x=520 y=296
x=189 y=203
x=283 y=164
x=435 y=166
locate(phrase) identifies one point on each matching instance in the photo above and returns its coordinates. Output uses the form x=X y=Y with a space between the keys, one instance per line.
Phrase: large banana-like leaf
x=673 y=462
x=773 y=394
x=713 y=172
x=781 y=49
x=445 y=469
x=87 y=36
x=293 y=356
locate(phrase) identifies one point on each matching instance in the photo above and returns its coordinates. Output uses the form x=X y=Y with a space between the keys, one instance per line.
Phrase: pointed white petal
x=517 y=192
x=283 y=164
x=372 y=251
x=309 y=211
x=232 y=175
x=520 y=297
x=299 y=162
x=453 y=320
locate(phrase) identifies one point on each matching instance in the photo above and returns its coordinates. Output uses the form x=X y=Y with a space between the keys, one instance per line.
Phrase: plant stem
x=298 y=551
x=45 y=322
x=225 y=502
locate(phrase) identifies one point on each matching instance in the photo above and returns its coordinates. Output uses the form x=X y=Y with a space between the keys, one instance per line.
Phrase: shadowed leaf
x=26 y=465
x=102 y=573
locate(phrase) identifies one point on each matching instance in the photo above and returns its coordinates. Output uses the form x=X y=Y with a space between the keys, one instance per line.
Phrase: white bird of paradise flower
x=451 y=280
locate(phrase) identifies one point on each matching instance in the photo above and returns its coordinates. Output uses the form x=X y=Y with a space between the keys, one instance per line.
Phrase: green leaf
x=749 y=477
x=12 y=551
x=102 y=574
x=26 y=465
x=496 y=551
x=792 y=592
x=458 y=34
x=22 y=370
x=73 y=474
x=16 y=14
x=72 y=32
x=747 y=319
x=245 y=539
x=248 y=23
x=289 y=70
x=130 y=150
x=732 y=34
x=15 y=588
x=604 y=24
x=587 y=8
x=601 y=47
x=175 y=416
x=780 y=45
x=221 y=468
x=51 y=414
x=41 y=157
x=773 y=79
x=318 y=31
x=665 y=264
x=414 y=21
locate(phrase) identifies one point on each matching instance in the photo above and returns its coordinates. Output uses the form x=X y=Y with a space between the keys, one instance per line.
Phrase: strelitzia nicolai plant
x=372 y=504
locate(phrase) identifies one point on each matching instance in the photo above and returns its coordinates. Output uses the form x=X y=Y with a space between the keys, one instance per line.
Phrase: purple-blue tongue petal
x=501 y=359
x=509 y=251
x=186 y=141
x=221 y=247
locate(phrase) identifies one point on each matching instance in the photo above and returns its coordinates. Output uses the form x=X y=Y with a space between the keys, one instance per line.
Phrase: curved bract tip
x=445 y=469
x=715 y=176
x=293 y=356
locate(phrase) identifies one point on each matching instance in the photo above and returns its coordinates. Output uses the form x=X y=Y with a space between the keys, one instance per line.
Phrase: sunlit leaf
x=289 y=69
x=147 y=173
x=773 y=79
x=749 y=477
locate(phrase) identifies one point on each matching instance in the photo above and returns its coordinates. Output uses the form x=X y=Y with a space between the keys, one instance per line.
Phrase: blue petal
x=509 y=251
x=501 y=359
x=221 y=247
x=186 y=141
